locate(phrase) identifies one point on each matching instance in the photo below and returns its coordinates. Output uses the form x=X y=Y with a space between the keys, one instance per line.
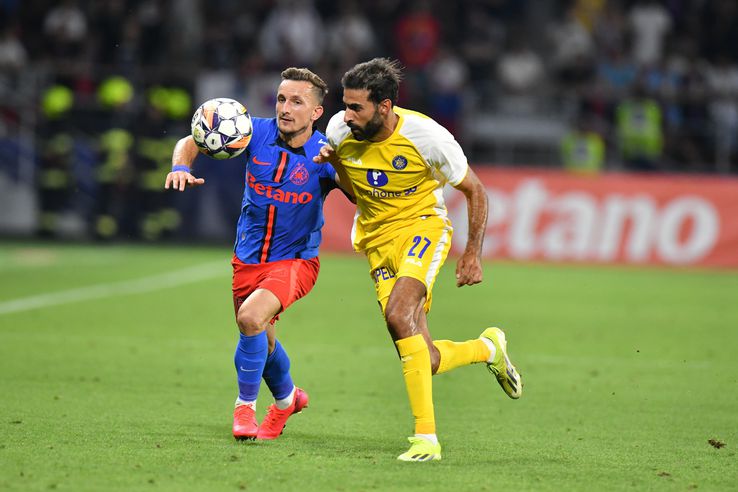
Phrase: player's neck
x=388 y=128
x=296 y=140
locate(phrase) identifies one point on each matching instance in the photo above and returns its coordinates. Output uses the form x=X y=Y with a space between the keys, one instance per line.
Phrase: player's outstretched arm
x=469 y=267
x=327 y=155
x=345 y=186
x=183 y=156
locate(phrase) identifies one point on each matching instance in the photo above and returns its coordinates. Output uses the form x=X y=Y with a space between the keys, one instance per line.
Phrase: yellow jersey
x=399 y=180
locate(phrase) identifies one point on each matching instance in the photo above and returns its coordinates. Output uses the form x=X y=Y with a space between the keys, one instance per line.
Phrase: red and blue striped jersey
x=282 y=208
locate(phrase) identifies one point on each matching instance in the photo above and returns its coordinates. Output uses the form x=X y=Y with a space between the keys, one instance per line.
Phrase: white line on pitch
x=137 y=286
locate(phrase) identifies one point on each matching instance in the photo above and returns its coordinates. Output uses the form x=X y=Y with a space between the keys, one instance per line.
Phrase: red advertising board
x=546 y=215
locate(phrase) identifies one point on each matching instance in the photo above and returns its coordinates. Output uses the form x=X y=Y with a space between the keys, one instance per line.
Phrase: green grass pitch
x=116 y=373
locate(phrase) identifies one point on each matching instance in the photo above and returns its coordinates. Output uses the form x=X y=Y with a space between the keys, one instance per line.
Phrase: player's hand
x=327 y=154
x=178 y=180
x=468 y=269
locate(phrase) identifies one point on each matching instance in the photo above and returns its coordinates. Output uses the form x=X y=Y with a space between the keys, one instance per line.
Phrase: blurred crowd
x=642 y=85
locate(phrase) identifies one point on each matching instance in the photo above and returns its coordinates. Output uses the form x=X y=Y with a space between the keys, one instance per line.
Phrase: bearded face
x=369 y=130
x=362 y=115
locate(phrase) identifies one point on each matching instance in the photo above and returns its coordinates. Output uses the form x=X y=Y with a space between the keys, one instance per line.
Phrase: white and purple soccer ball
x=221 y=128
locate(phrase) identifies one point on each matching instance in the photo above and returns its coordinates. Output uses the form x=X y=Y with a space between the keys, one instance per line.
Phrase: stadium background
x=93 y=96
x=116 y=322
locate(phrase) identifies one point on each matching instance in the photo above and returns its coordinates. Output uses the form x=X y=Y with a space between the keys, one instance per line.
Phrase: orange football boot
x=244 y=422
x=275 y=419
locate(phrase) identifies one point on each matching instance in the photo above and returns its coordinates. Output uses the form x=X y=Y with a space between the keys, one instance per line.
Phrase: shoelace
x=242 y=410
x=274 y=414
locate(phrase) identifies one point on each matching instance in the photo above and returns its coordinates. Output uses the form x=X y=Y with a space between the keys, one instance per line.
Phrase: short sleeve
x=438 y=147
x=337 y=130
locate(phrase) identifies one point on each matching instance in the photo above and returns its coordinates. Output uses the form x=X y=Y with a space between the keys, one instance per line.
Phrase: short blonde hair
x=320 y=88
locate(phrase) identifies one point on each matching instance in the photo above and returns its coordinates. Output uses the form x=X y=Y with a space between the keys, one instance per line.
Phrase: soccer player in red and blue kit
x=275 y=261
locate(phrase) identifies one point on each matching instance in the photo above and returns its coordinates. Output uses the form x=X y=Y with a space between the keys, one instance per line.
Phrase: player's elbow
x=188 y=143
x=472 y=186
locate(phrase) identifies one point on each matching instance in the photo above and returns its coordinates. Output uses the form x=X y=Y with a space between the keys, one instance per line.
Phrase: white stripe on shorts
x=437 y=259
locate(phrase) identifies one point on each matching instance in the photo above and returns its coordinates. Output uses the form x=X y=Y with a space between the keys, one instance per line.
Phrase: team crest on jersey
x=376 y=178
x=399 y=162
x=299 y=175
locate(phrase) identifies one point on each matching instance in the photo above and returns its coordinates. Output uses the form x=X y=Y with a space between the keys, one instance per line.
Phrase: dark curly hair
x=380 y=76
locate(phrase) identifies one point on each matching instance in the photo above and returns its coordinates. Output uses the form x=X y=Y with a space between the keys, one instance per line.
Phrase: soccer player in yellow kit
x=397 y=162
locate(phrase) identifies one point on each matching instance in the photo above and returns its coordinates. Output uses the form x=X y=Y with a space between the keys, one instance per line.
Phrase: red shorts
x=289 y=280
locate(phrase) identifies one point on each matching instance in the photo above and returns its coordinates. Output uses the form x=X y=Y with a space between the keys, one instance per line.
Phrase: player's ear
x=317 y=113
x=385 y=107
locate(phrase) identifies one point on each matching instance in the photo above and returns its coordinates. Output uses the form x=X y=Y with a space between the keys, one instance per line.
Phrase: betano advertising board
x=618 y=218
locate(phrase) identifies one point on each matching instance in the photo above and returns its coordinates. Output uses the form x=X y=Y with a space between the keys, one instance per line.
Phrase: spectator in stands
x=520 y=69
x=482 y=41
x=609 y=30
x=417 y=38
x=689 y=146
x=293 y=34
x=167 y=113
x=573 y=50
x=628 y=38
x=589 y=12
x=448 y=76
x=245 y=24
x=65 y=27
x=583 y=149
x=218 y=50
x=55 y=180
x=616 y=74
x=113 y=212
x=639 y=128
x=722 y=84
x=150 y=17
x=351 y=37
x=13 y=56
x=650 y=23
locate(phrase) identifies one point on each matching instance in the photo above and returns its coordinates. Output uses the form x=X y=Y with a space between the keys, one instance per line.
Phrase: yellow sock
x=416 y=369
x=456 y=354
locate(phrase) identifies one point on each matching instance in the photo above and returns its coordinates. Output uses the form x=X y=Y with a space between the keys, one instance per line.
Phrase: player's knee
x=248 y=323
x=399 y=320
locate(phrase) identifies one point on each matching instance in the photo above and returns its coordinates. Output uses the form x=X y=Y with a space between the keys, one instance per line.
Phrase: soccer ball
x=221 y=128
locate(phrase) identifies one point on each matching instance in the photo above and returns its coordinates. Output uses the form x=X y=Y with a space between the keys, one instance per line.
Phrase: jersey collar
x=315 y=138
x=295 y=150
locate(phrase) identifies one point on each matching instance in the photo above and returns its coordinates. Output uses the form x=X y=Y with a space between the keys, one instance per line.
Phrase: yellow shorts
x=418 y=251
